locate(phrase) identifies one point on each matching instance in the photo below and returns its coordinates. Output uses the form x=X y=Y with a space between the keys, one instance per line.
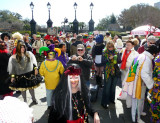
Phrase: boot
x=100 y=82
x=97 y=80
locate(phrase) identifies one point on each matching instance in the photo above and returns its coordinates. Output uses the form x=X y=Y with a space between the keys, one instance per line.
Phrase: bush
x=113 y=33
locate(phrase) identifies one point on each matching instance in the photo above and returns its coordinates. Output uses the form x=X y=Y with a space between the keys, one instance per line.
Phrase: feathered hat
x=50 y=48
x=17 y=36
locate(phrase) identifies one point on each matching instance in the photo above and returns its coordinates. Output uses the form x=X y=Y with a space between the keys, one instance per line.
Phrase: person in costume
x=4 y=82
x=110 y=74
x=10 y=43
x=51 y=69
x=63 y=57
x=70 y=101
x=22 y=67
x=16 y=37
x=128 y=54
x=97 y=56
x=138 y=78
x=154 y=93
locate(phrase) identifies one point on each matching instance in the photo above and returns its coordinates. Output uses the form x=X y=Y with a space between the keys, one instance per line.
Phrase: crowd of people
x=67 y=62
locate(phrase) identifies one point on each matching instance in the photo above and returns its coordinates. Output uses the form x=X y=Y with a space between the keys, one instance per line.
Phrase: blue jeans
x=108 y=94
x=49 y=94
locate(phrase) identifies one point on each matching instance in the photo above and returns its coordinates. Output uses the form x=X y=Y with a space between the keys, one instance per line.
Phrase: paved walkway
x=117 y=113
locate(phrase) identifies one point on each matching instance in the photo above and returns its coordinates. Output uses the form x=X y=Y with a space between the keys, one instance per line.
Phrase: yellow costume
x=51 y=71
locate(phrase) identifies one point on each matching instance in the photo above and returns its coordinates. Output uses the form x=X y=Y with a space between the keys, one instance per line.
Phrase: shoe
x=105 y=106
x=35 y=102
x=143 y=113
x=140 y=121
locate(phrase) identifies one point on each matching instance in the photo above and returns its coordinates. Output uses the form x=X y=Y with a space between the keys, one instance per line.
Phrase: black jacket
x=86 y=65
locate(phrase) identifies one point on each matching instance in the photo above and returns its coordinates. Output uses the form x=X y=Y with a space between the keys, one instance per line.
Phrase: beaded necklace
x=52 y=70
x=84 y=107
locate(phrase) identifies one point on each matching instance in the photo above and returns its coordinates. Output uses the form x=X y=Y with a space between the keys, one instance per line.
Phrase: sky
x=64 y=8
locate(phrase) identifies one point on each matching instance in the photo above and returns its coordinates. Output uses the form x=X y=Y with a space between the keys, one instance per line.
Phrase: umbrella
x=145 y=30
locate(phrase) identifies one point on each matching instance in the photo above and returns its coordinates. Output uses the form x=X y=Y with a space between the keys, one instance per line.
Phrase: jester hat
x=50 y=48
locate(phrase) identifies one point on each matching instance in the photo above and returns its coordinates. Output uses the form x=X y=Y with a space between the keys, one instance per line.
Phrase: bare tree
x=138 y=15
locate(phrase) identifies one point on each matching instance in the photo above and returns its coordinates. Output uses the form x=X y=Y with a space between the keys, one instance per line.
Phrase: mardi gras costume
x=154 y=93
x=21 y=68
x=137 y=79
x=51 y=70
x=68 y=107
x=4 y=81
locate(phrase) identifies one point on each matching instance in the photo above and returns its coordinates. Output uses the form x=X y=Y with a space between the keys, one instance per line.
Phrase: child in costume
x=23 y=70
x=51 y=70
x=70 y=101
x=154 y=93
x=63 y=57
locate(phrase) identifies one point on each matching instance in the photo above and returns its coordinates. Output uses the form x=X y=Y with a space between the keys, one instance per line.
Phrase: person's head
x=119 y=45
x=34 y=36
x=56 y=42
x=26 y=39
x=2 y=46
x=73 y=40
x=152 y=49
x=151 y=40
x=110 y=45
x=99 y=38
x=21 y=49
x=90 y=38
x=136 y=36
x=80 y=49
x=62 y=46
x=129 y=45
x=5 y=36
x=79 y=38
x=17 y=36
x=38 y=37
x=48 y=42
x=107 y=34
x=135 y=41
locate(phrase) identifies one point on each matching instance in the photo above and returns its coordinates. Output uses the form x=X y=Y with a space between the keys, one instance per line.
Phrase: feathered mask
x=72 y=71
x=50 y=48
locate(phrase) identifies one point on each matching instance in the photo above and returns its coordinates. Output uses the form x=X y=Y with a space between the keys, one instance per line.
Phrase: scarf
x=110 y=69
x=124 y=59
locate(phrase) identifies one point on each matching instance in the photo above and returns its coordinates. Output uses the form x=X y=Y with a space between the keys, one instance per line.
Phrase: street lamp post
x=65 y=21
x=32 y=22
x=91 y=22
x=49 y=22
x=75 y=22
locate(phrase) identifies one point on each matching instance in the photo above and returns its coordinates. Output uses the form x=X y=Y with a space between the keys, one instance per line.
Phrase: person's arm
x=145 y=74
x=41 y=70
x=87 y=62
x=61 y=68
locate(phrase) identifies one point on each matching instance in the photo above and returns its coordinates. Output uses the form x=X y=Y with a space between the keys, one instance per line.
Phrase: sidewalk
x=117 y=113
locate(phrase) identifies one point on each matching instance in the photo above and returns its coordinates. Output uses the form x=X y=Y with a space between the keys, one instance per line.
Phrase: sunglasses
x=152 y=43
x=90 y=38
x=80 y=49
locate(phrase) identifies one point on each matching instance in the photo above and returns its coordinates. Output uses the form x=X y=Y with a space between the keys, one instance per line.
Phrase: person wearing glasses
x=150 y=41
x=84 y=60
